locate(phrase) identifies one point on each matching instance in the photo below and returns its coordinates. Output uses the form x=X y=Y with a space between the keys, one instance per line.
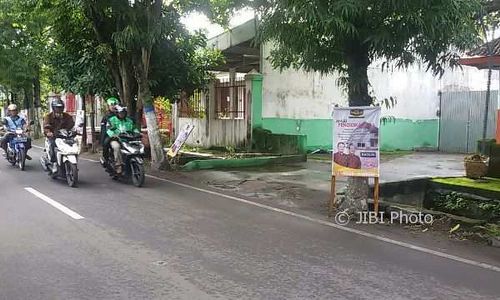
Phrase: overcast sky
x=195 y=21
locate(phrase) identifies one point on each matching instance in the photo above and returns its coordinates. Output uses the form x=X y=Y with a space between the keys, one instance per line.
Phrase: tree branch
x=492 y=6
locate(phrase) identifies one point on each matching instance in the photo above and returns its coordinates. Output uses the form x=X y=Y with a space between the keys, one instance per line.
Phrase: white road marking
x=330 y=224
x=55 y=204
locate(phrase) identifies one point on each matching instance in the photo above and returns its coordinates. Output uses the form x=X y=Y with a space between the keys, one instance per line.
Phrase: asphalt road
x=166 y=241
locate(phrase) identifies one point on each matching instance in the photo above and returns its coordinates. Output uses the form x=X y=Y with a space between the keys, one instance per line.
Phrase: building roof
x=481 y=58
x=239 y=47
x=483 y=49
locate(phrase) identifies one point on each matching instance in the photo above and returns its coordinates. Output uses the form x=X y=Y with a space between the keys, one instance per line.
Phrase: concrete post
x=497 y=136
x=210 y=110
x=254 y=102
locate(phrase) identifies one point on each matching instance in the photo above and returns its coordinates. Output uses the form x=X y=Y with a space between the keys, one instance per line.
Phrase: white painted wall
x=297 y=94
x=222 y=132
x=300 y=95
x=198 y=137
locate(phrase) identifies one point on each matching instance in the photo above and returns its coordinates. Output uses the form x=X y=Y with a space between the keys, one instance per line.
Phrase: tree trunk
x=37 y=104
x=158 y=160
x=127 y=78
x=84 y=132
x=356 y=195
x=92 y=123
x=26 y=100
x=357 y=71
x=157 y=155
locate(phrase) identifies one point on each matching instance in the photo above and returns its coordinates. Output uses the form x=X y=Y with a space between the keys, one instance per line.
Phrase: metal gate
x=461 y=122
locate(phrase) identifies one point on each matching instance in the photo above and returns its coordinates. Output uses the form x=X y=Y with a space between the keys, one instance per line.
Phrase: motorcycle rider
x=118 y=124
x=12 y=122
x=52 y=123
x=112 y=102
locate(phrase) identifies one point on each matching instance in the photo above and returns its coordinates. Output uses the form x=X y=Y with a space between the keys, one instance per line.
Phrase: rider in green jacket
x=118 y=124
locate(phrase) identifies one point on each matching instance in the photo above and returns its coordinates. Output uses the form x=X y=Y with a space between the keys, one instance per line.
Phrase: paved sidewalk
x=307 y=185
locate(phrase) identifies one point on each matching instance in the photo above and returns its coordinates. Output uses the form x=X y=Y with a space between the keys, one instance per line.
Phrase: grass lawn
x=490 y=184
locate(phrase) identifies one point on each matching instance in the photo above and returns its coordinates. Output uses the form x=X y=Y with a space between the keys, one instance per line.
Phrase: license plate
x=20 y=139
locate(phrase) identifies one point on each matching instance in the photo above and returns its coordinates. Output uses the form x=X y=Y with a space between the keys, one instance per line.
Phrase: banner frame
x=376 y=188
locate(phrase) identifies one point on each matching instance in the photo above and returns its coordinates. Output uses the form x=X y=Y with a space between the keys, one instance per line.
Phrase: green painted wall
x=256 y=99
x=402 y=134
x=408 y=134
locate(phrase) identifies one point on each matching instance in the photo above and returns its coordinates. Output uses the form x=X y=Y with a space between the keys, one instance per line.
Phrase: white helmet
x=12 y=107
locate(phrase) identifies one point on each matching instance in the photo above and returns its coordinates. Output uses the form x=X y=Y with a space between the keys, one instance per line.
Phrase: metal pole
x=488 y=87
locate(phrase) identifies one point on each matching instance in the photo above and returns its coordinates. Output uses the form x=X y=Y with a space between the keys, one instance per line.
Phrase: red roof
x=481 y=62
x=479 y=57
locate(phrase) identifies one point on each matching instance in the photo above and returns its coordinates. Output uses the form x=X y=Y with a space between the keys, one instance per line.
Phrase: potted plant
x=476 y=166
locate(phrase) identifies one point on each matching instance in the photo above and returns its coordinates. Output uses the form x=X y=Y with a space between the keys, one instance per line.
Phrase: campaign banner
x=356 y=141
x=180 y=140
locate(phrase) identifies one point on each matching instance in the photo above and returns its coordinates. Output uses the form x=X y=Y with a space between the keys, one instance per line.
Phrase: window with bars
x=193 y=106
x=230 y=99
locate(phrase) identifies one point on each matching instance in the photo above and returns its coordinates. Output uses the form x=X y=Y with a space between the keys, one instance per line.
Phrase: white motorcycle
x=67 y=150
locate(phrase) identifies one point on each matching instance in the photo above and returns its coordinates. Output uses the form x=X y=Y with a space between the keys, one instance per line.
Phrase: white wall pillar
x=498 y=94
x=175 y=121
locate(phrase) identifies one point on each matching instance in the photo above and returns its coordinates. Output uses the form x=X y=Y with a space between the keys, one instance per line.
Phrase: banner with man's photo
x=356 y=141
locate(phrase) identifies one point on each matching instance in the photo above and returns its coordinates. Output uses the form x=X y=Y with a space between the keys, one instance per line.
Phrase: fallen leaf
x=455 y=228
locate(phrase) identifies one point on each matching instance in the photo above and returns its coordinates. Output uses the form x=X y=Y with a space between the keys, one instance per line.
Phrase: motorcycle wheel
x=53 y=175
x=11 y=158
x=138 y=174
x=71 y=173
x=21 y=160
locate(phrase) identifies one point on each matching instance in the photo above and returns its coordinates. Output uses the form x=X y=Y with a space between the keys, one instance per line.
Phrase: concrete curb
x=242 y=163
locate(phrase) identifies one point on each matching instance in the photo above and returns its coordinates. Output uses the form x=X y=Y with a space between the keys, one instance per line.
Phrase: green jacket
x=117 y=126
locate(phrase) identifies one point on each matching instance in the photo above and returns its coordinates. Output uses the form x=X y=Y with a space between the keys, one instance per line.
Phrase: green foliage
x=182 y=65
x=492 y=229
x=345 y=36
x=457 y=203
x=23 y=39
x=218 y=11
x=164 y=104
x=76 y=61
x=452 y=202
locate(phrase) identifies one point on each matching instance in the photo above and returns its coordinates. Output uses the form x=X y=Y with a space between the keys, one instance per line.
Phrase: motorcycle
x=132 y=151
x=67 y=150
x=17 y=149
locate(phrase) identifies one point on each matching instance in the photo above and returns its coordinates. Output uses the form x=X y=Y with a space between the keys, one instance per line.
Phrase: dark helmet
x=57 y=103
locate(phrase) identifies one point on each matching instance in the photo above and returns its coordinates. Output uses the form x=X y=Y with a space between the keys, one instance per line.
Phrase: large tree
x=346 y=36
x=23 y=44
x=76 y=61
x=143 y=45
x=139 y=34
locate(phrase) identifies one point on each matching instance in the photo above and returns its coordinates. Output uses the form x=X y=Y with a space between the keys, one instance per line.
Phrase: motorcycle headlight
x=68 y=146
x=19 y=131
x=131 y=148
